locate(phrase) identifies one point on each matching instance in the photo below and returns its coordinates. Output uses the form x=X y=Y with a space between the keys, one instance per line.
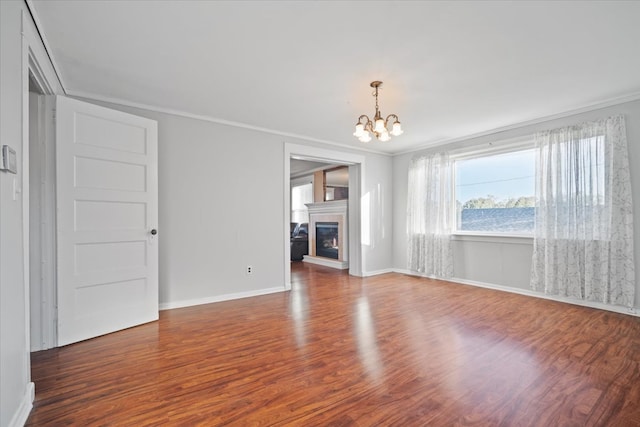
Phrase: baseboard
x=415 y=273
x=530 y=293
x=20 y=417
x=219 y=298
x=377 y=272
x=326 y=262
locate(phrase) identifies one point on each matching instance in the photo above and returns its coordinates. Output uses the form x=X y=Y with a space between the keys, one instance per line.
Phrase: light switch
x=9 y=161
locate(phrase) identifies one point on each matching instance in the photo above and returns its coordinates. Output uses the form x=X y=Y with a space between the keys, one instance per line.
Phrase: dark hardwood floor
x=339 y=351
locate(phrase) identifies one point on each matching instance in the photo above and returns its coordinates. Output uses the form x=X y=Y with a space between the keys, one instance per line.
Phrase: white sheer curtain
x=583 y=246
x=429 y=215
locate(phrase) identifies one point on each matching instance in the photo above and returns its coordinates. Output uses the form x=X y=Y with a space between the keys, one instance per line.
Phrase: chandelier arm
x=369 y=127
x=395 y=119
x=365 y=117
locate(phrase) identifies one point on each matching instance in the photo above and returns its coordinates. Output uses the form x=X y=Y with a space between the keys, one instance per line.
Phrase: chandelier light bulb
x=379 y=126
x=384 y=136
x=365 y=137
x=397 y=129
x=359 y=130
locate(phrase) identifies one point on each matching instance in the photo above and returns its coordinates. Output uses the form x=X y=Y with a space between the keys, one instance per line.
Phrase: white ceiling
x=450 y=69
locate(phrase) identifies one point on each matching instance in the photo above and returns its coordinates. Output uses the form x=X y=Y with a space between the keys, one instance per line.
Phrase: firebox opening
x=327 y=239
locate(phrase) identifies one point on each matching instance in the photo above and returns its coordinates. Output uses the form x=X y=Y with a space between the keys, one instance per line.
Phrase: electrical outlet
x=249 y=269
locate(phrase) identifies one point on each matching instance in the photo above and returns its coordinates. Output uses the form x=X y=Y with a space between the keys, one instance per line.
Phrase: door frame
x=42 y=280
x=35 y=62
x=356 y=163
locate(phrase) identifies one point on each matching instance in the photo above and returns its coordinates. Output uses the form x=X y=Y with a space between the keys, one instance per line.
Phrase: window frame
x=492 y=148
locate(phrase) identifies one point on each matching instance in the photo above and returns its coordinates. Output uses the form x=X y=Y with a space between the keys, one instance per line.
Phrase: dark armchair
x=299 y=240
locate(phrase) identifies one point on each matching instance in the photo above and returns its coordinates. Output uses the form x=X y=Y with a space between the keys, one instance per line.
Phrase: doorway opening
x=312 y=183
x=306 y=165
x=41 y=216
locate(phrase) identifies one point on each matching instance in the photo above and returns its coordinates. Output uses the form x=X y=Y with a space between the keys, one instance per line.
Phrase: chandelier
x=378 y=126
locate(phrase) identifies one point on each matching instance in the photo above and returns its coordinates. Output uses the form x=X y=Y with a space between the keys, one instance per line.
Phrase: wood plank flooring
x=390 y=350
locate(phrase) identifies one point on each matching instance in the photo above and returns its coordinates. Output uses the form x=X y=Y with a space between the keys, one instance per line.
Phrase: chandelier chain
x=375 y=93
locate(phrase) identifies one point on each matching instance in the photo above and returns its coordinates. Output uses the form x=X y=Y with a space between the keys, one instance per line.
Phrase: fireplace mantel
x=331 y=211
x=333 y=206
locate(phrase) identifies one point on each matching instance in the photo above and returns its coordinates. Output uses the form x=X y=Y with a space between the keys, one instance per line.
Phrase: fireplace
x=328 y=234
x=327 y=239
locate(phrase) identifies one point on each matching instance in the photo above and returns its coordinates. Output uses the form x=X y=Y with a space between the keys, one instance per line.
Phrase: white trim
x=19 y=418
x=591 y=107
x=112 y=100
x=377 y=272
x=42 y=280
x=310 y=172
x=326 y=262
x=530 y=293
x=357 y=189
x=38 y=74
x=286 y=213
x=596 y=106
x=45 y=43
x=356 y=260
x=328 y=207
x=583 y=109
x=219 y=298
x=50 y=311
x=36 y=63
x=34 y=59
x=27 y=39
x=568 y=113
x=302 y=180
x=514 y=239
x=416 y=274
x=493 y=148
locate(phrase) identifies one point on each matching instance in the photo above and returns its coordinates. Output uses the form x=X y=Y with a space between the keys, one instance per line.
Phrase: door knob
x=154 y=232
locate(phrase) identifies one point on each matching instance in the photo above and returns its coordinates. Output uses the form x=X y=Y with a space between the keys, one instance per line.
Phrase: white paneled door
x=107 y=218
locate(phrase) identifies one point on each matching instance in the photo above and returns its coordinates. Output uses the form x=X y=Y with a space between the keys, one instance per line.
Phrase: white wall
x=502 y=261
x=16 y=41
x=377 y=206
x=14 y=362
x=221 y=208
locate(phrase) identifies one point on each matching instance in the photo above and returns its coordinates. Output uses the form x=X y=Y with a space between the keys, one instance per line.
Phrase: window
x=495 y=193
x=300 y=195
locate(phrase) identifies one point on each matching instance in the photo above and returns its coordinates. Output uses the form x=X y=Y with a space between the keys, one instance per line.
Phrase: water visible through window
x=496 y=193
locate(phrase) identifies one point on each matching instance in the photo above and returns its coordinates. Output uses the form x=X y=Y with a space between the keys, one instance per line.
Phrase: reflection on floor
x=343 y=350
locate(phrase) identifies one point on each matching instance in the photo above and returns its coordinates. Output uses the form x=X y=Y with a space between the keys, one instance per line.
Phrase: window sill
x=472 y=236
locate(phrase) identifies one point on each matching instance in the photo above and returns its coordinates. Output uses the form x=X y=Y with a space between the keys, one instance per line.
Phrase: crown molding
x=91 y=96
x=211 y=119
x=95 y=97
x=568 y=113
x=45 y=43
x=590 y=107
